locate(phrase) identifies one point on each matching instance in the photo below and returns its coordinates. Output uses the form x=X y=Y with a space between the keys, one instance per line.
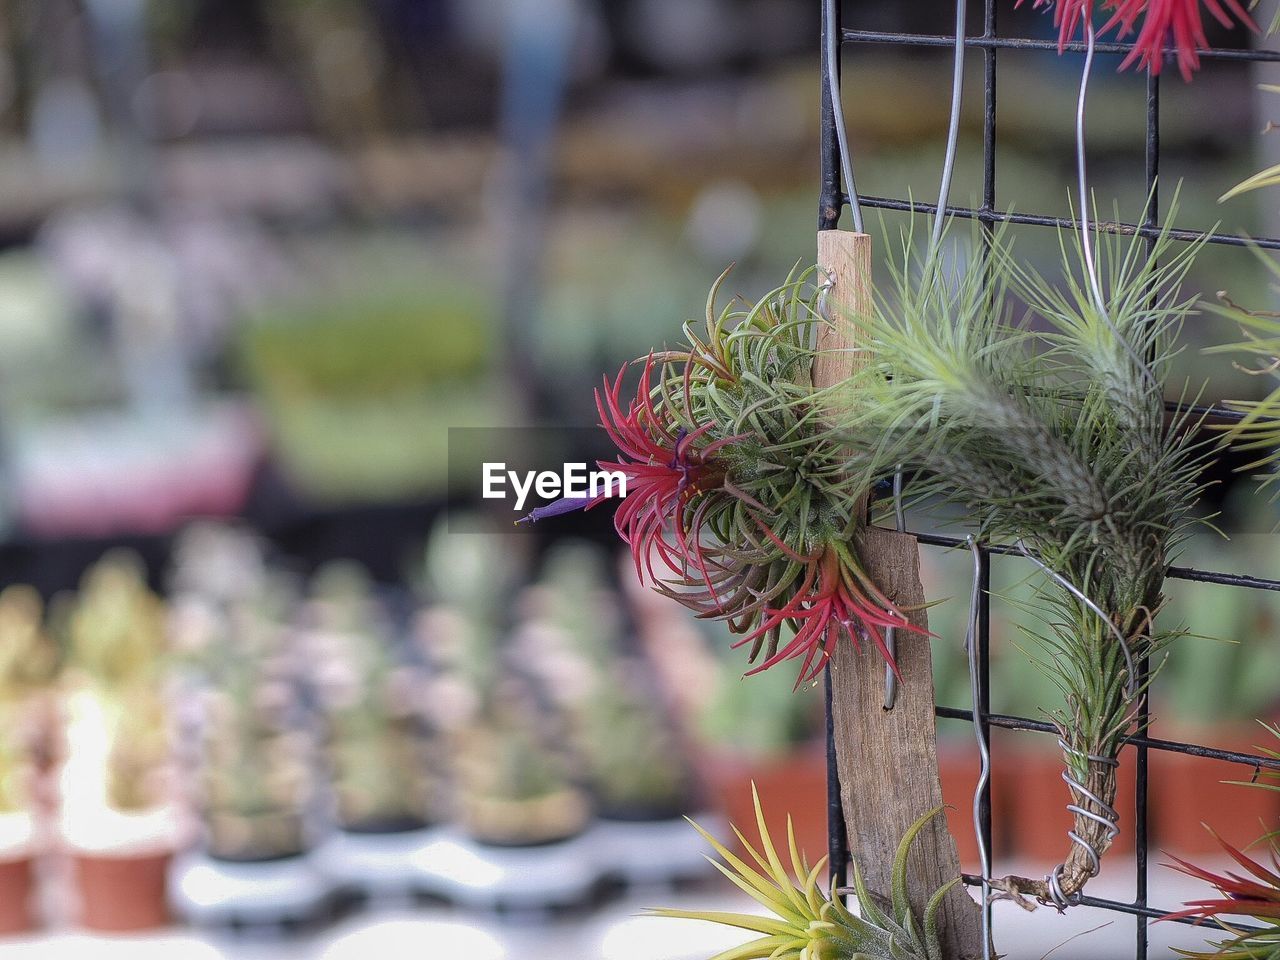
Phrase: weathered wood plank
x=888 y=759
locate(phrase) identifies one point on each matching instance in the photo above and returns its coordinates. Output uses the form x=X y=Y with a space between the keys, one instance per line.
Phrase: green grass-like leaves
x=1041 y=413
x=808 y=924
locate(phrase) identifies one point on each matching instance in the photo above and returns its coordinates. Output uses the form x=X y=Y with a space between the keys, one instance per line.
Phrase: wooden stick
x=888 y=759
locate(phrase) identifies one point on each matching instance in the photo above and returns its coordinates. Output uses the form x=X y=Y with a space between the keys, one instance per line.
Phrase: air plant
x=739 y=502
x=1258 y=432
x=1254 y=894
x=1054 y=441
x=810 y=924
x=1156 y=23
x=1269 y=176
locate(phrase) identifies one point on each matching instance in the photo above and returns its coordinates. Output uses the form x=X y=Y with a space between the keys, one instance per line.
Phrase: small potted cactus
x=641 y=779
x=254 y=765
x=118 y=818
x=28 y=663
x=376 y=736
x=255 y=781
x=515 y=788
x=637 y=765
x=380 y=752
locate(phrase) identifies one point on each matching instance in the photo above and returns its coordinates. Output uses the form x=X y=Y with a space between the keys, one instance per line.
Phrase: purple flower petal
x=557 y=507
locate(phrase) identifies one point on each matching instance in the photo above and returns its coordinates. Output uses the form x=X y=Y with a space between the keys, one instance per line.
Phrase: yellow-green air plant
x=1258 y=432
x=806 y=923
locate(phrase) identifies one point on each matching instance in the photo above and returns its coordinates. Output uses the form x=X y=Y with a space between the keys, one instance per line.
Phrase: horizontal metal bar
x=1173 y=573
x=1133 y=909
x=1039 y=220
x=1011 y=722
x=1027 y=43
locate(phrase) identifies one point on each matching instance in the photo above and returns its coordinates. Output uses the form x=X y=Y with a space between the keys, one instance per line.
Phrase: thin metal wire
x=1086 y=239
x=953 y=126
x=837 y=111
x=984 y=750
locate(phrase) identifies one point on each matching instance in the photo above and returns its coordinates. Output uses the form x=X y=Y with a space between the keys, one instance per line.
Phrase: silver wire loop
x=1105 y=815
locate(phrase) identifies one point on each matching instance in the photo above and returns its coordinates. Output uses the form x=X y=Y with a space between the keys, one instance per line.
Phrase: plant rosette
x=740 y=500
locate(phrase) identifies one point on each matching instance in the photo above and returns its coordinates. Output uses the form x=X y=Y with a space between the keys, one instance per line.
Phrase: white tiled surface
x=619 y=933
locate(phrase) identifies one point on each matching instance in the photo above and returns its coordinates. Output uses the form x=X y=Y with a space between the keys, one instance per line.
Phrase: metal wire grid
x=831 y=202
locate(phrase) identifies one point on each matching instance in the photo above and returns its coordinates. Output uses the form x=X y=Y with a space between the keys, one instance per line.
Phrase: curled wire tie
x=891 y=632
x=984 y=750
x=1108 y=817
x=1131 y=682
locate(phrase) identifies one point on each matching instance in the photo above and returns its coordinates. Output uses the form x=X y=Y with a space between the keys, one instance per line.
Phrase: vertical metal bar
x=829 y=203
x=837 y=840
x=829 y=196
x=1151 y=215
x=984 y=703
x=983 y=706
x=989 y=110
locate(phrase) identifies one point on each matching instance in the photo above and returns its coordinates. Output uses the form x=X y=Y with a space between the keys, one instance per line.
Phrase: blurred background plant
x=378 y=745
x=116 y=708
x=517 y=785
x=257 y=776
x=29 y=663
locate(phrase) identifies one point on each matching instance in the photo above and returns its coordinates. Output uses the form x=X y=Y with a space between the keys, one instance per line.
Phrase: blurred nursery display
x=262 y=682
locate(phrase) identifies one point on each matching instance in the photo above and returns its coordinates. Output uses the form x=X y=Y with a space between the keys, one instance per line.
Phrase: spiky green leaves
x=740 y=502
x=807 y=924
x=1258 y=433
x=1037 y=406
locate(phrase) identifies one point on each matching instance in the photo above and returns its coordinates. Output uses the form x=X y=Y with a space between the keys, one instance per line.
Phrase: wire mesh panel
x=832 y=202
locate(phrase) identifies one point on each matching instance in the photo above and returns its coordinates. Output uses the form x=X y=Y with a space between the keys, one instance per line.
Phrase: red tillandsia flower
x=1164 y=23
x=665 y=466
x=1172 y=22
x=1068 y=15
x=1256 y=893
x=836 y=598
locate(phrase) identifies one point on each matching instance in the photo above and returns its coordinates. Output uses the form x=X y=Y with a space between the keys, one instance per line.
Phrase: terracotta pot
x=793 y=785
x=19 y=847
x=119 y=864
x=122 y=892
x=1187 y=792
x=17 y=896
